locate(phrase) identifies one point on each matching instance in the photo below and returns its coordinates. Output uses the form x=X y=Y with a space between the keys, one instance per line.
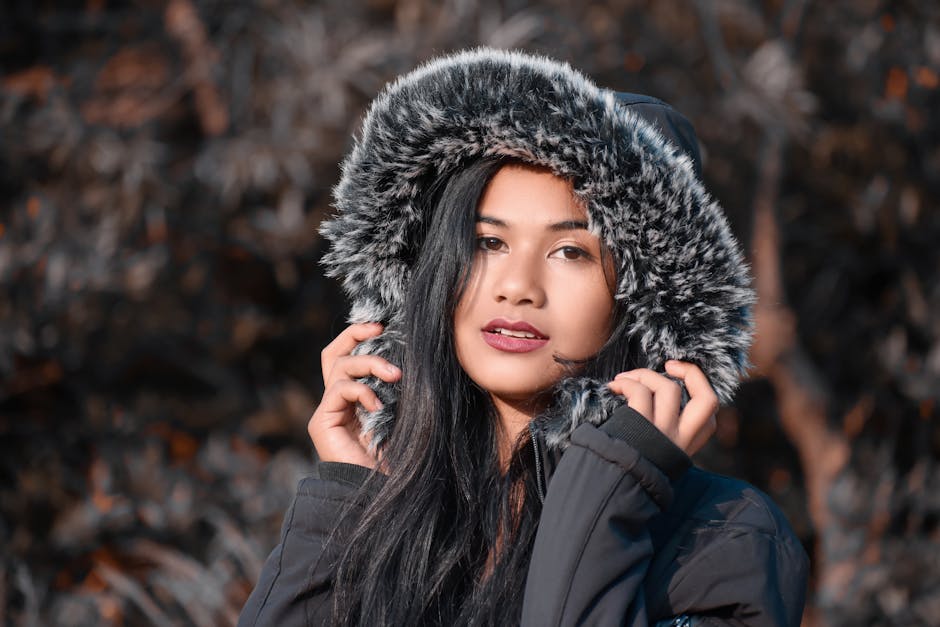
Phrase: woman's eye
x=489 y=243
x=572 y=253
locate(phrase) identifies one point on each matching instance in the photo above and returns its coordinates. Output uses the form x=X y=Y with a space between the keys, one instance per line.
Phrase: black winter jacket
x=619 y=542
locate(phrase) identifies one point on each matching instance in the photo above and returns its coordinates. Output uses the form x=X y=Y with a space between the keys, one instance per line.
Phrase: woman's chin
x=534 y=395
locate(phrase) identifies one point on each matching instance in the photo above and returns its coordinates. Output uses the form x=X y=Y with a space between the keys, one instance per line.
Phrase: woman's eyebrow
x=567 y=225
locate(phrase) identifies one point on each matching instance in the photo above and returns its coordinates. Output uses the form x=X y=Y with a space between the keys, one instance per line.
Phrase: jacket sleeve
x=742 y=572
x=593 y=546
x=295 y=582
x=593 y=549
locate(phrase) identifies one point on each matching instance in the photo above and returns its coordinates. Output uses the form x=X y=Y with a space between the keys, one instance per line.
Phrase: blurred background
x=163 y=169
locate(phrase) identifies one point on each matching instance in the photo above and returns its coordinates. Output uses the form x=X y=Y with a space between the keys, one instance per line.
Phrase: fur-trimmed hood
x=682 y=278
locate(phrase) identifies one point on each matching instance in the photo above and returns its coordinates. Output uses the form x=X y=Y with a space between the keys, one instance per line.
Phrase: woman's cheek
x=586 y=307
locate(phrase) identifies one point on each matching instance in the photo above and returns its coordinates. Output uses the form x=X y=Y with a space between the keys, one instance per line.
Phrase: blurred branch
x=791 y=18
x=183 y=24
x=24 y=581
x=802 y=395
x=131 y=590
x=189 y=574
x=236 y=544
x=711 y=34
x=800 y=391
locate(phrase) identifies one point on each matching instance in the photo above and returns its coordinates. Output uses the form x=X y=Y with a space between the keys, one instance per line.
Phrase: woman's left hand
x=658 y=399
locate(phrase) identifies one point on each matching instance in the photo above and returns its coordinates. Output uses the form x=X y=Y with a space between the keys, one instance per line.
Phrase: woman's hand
x=334 y=428
x=658 y=399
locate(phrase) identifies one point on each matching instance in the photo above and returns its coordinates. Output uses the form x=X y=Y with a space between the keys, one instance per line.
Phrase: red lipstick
x=513 y=337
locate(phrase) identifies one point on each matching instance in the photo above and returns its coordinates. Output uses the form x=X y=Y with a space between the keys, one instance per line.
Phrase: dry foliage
x=164 y=167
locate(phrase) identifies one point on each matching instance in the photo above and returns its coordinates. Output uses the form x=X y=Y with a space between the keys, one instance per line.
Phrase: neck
x=514 y=418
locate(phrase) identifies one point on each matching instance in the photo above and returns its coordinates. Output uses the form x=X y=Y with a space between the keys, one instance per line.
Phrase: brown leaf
x=131 y=89
x=896 y=84
x=34 y=82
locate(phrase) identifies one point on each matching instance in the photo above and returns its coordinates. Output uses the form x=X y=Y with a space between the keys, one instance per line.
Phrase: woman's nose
x=519 y=281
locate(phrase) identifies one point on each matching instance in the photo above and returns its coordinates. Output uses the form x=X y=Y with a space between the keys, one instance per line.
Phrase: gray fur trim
x=683 y=278
x=578 y=400
x=390 y=345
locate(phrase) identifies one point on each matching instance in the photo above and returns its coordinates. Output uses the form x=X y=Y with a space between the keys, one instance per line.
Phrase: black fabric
x=618 y=544
x=671 y=124
x=349 y=474
x=756 y=567
x=294 y=585
x=621 y=545
x=629 y=425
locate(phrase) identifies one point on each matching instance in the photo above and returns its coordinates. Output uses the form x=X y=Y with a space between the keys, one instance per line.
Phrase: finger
x=358 y=366
x=339 y=396
x=345 y=342
x=667 y=396
x=695 y=380
x=697 y=422
x=638 y=396
x=702 y=437
x=703 y=402
x=695 y=428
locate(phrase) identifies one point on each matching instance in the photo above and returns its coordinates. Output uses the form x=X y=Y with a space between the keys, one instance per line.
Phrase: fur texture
x=683 y=278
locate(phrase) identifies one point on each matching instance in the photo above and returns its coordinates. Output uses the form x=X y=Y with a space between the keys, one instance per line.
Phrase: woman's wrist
x=630 y=426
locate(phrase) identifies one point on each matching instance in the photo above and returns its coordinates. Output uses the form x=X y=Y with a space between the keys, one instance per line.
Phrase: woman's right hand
x=658 y=399
x=334 y=427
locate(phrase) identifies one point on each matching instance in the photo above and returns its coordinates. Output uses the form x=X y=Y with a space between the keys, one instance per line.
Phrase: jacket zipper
x=538 y=466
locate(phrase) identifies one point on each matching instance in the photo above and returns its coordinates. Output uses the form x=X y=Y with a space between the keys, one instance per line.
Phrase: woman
x=538 y=281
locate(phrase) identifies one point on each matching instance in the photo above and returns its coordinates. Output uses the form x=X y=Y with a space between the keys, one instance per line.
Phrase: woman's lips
x=511 y=344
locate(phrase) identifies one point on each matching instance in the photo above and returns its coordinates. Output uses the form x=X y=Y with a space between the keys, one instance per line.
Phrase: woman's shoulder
x=717 y=500
x=725 y=536
x=727 y=519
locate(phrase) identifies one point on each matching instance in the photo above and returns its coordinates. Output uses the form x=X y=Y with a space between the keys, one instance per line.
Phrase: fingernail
x=378 y=405
x=392 y=369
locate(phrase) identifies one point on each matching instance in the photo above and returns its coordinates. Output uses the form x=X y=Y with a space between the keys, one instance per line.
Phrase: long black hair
x=446 y=534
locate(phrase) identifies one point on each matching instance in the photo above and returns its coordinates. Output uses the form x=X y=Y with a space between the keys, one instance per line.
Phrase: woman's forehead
x=525 y=194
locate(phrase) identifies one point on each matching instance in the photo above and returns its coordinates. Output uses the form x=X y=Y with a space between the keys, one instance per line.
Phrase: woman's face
x=538 y=287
